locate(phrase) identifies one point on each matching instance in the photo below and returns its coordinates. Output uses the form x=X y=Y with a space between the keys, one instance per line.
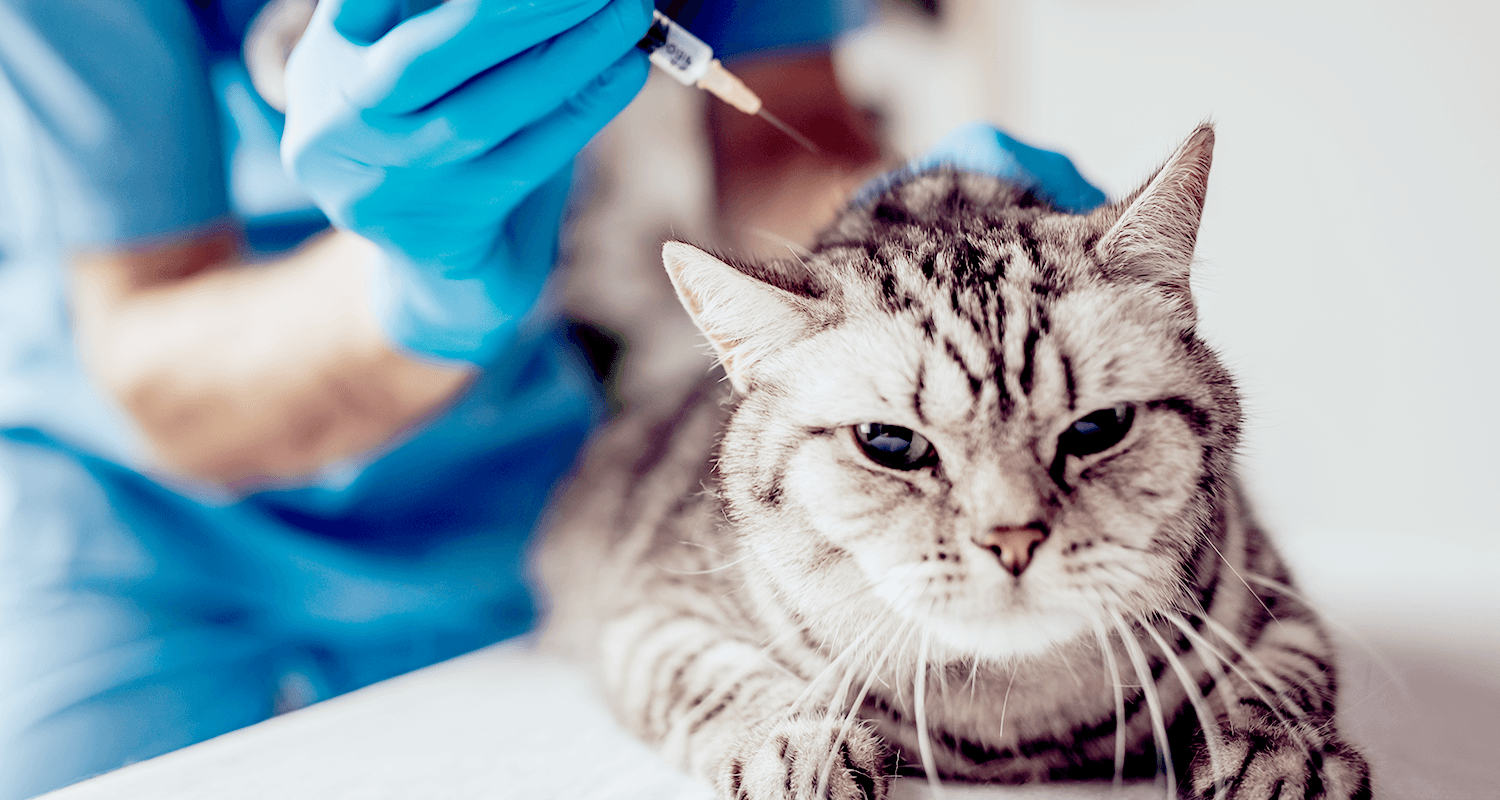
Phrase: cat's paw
x=1273 y=765
x=807 y=759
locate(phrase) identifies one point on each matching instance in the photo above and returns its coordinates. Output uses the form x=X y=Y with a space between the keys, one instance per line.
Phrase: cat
x=962 y=497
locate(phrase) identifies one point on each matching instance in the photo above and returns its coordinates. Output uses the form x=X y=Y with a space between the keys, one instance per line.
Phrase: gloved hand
x=981 y=147
x=447 y=138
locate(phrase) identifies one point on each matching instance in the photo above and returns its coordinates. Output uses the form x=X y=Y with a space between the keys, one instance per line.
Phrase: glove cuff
x=985 y=149
x=470 y=319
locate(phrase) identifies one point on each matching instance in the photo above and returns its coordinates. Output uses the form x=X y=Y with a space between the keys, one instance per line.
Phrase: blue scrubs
x=137 y=616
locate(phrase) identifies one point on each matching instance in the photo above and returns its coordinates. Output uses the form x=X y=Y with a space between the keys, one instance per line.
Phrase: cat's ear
x=743 y=317
x=1153 y=238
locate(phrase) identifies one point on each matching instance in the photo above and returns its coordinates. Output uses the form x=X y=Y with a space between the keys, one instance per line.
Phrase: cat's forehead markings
x=917 y=390
x=1070 y=380
x=973 y=297
x=1114 y=356
x=865 y=373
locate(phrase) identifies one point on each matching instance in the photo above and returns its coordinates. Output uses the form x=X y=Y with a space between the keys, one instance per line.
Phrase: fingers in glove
x=426 y=57
x=363 y=21
x=529 y=87
x=542 y=149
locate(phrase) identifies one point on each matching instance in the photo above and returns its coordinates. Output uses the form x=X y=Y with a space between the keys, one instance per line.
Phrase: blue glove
x=447 y=139
x=981 y=147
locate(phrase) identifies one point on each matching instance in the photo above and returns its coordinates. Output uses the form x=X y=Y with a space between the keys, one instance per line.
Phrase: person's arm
x=243 y=373
x=436 y=138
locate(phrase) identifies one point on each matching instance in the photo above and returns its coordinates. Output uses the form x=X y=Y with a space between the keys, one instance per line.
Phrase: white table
x=507 y=722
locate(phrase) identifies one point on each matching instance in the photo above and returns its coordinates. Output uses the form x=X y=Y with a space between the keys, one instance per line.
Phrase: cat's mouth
x=1002 y=637
x=995 y=624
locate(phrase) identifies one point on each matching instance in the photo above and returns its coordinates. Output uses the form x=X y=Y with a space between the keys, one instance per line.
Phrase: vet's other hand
x=446 y=139
x=981 y=147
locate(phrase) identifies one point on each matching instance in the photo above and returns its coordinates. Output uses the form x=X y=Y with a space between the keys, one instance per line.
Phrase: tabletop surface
x=508 y=721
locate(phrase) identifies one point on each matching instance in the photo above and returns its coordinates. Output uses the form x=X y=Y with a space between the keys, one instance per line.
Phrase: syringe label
x=679 y=58
x=680 y=53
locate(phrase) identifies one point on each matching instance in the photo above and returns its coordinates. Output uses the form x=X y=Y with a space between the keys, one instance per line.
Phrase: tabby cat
x=964 y=506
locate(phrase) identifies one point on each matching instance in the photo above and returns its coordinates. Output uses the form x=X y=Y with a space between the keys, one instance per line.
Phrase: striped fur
x=783 y=615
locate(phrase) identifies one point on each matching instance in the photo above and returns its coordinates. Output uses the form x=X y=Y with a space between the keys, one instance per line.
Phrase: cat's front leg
x=724 y=709
x=1268 y=762
x=806 y=757
x=1276 y=733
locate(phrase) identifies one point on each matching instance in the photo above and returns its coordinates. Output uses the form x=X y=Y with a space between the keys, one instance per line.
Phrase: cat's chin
x=1007 y=637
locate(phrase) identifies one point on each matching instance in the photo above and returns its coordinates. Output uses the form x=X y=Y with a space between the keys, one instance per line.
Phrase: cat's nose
x=1013 y=545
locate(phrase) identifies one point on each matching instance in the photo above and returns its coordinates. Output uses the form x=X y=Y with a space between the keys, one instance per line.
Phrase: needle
x=688 y=59
x=788 y=130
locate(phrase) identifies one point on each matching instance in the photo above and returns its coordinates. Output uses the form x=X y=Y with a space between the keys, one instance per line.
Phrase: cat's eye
x=1096 y=432
x=894 y=446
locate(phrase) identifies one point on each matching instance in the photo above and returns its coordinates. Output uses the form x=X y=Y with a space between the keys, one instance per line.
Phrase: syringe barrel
x=681 y=54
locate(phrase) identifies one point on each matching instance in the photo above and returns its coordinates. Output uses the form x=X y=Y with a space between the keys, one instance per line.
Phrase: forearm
x=245 y=373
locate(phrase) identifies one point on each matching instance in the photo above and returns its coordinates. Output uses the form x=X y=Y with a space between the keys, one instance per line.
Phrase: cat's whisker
x=841 y=661
x=1211 y=659
x=924 y=739
x=1119 y=693
x=849 y=669
x=1391 y=673
x=1274 y=704
x=845 y=662
x=1272 y=583
x=1271 y=680
x=798 y=250
x=1237 y=574
x=874 y=667
x=679 y=727
x=1005 y=701
x=892 y=645
x=835 y=711
x=942 y=676
x=700 y=545
x=973 y=678
x=1208 y=723
x=1295 y=725
x=1153 y=701
x=708 y=571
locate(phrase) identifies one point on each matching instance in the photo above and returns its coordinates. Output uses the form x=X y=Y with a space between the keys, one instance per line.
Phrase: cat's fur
x=783 y=615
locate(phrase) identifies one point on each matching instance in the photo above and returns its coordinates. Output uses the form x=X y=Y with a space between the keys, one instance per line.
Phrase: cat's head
x=990 y=417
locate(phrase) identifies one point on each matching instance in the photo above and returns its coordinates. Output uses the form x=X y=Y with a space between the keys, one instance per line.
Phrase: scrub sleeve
x=138 y=617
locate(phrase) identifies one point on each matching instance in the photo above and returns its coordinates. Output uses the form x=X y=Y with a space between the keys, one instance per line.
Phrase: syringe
x=688 y=59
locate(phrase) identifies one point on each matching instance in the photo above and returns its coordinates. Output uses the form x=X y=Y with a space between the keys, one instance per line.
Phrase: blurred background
x=1347 y=271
